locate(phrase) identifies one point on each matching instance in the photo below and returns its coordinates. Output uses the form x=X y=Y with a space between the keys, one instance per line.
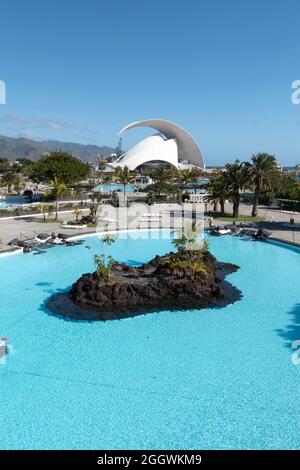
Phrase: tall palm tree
x=237 y=178
x=59 y=188
x=123 y=174
x=262 y=169
x=218 y=191
x=101 y=168
x=284 y=185
x=50 y=210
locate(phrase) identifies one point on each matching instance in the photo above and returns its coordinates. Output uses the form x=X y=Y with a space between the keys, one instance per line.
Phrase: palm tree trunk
x=56 y=207
x=255 y=202
x=236 y=208
x=222 y=205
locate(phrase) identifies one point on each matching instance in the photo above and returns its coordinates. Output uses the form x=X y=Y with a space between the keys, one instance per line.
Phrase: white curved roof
x=187 y=147
x=149 y=149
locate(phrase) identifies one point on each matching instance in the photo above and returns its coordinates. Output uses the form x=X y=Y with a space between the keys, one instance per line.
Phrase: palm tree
x=101 y=167
x=123 y=174
x=262 y=169
x=218 y=191
x=77 y=212
x=43 y=208
x=162 y=174
x=50 y=210
x=284 y=185
x=237 y=177
x=161 y=177
x=107 y=240
x=9 y=179
x=185 y=175
x=186 y=240
x=180 y=242
x=189 y=174
x=59 y=188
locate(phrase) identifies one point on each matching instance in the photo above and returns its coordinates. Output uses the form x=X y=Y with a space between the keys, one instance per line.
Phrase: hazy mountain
x=13 y=149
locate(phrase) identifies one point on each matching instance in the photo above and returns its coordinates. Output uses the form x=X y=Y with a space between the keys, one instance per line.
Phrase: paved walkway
x=26 y=227
x=274 y=220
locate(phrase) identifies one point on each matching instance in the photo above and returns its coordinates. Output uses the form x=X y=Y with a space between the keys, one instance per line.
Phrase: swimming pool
x=130 y=188
x=8 y=201
x=214 y=378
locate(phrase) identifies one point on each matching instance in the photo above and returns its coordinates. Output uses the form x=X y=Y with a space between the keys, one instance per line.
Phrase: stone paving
x=276 y=221
x=273 y=219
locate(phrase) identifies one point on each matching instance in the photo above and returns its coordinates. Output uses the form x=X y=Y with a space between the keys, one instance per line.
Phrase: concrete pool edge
x=273 y=240
x=19 y=251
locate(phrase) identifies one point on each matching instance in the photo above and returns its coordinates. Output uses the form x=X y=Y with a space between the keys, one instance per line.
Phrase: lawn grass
x=50 y=220
x=242 y=218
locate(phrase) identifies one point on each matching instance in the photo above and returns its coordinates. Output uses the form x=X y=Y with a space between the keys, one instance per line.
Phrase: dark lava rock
x=154 y=286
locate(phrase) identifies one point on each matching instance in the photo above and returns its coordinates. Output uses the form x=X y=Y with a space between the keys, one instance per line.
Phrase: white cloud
x=16 y=121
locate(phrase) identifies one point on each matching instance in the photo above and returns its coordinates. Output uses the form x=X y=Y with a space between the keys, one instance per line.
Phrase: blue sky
x=79 y=71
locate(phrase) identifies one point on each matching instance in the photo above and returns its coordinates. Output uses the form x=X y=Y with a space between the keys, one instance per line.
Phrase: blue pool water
x=130 y=188
x=115 y=187
x=9 y=201
x=214 y=378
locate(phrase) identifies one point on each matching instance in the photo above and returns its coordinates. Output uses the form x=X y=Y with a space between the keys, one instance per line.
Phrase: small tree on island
x=188 y=261
x=104 y=263
x=188 y=239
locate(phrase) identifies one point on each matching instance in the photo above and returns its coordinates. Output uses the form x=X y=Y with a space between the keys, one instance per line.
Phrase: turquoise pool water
x=131 y=187
x=214 y=378
x=115 y=187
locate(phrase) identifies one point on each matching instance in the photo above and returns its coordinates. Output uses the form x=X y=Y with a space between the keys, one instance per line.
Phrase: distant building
x=172 y=145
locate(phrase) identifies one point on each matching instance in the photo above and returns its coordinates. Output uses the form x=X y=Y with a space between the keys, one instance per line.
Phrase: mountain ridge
x=13 y=148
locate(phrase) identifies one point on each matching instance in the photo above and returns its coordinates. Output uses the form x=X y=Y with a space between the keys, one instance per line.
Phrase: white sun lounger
x=78 y=227
x=42 y=240
x=224 y=231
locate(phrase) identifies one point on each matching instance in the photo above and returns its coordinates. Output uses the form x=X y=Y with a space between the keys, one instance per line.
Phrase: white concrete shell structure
x=172 y=145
